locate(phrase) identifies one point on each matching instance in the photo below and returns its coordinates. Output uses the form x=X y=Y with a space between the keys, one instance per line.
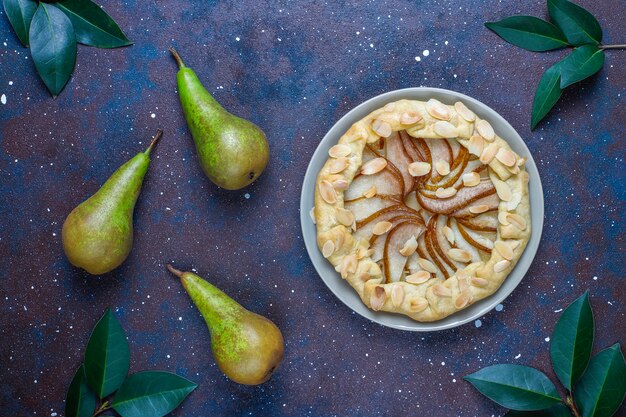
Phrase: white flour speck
x=519 y=355
x=153 y=115
x=418 y=59
x=499 y=307
x=237 y=39
x=478 y=323
x=3 y=99
x=10 y=82
x=547 y=339
x=426 y=52
x=247 y=195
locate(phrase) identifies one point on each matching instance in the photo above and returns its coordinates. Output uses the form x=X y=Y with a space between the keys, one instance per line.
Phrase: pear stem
x=177 y=57
x=157 y=136
x=174 y=271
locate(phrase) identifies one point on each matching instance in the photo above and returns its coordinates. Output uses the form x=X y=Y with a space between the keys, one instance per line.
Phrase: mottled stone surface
x=294 y=68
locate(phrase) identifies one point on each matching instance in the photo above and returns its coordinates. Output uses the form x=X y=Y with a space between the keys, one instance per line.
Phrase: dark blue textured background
x=293 y=68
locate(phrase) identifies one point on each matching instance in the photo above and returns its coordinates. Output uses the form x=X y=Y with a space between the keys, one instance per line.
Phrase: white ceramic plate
x=341 y=288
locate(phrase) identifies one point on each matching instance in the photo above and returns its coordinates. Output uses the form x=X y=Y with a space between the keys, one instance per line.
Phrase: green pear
x=232 y=151
x=246 y=346
x=98 y=234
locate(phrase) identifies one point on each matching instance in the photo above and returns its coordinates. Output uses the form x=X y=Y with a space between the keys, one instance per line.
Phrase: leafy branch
x=102 y=384
x=52 y=30
x=594 y=387
x=571 y=26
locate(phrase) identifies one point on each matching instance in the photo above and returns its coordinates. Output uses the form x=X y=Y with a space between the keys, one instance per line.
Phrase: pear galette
x=422 y=208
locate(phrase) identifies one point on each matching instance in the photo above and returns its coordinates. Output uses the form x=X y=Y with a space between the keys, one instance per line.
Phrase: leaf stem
x=618 y=46
x=103 y=407
x=569 y=402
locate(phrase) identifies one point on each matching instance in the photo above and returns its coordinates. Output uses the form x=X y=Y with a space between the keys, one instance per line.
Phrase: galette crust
x=437 y=297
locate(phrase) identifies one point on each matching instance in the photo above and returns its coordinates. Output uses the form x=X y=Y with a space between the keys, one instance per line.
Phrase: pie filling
x=427 y=207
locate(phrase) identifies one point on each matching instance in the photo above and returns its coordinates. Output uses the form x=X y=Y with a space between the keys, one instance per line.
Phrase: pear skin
x=233 y=152
x=98 y=234
x=246 y=346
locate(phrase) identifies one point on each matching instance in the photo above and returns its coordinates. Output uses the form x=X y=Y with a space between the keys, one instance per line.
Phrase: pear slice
x=398 y=157
x=464 y=197
x=394 y=261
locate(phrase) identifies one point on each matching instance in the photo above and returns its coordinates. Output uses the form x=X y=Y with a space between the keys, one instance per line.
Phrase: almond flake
x=419 y=169
x=464 y=112
x=502 y=189
x=349 y=264
x=338 y=165
x=312 y=214
x=327 y=192
x=489 y=152
x=381 y=228
x=381 y=128
x=409 y=247
x=373 y=166
x=378 y=298
x=449 y=234
x=437 y=109
x=340 y=184
x=479 y=282
x=445 y=129
x=397 y=295
x=513 y=170
x=476 y=145
x=471 y=179
x=442 y=167
x=504 y=249
x=427 y=265
x=502 y=218
x=460 y=255
x=516 y=220
x=481 y=208
x=339 y=151
x=507 y=157
x=409 y=118
x=485 y=130
x=365 y=276
x=371 y=192
x=442 y=290
x=445 y=192
x=328 y=248
x=418 y=304
x=501 y=265
x=345 y=217
x=419 y=277
x=463 y=300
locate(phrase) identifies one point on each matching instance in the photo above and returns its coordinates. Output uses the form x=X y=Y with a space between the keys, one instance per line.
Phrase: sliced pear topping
x=485 y=130
x=339 y=151
x=504 y=249
x=481 y=208
x=419 y=169
x=378 y=298
x=471 y=179
x=409 y=118
x=338 y=165
x=437 y=109
x=507 y=158
x=345 y=217
x=397 y=295
x=476 y=145
x=489 y=152
x=501 y=265
x=328 y=248
x=460 y=255
x=381 y=128
x=381 y=228
x=427 y=265
x=370 y=192
x=516 y=220
x=409 y=247
x=373 y=166
x=445 y=192
x=327 y=192
x=418 y=277
x=442 y=290
x=464 y=112
x=449 y=234
x=445 y=129
x=442 y=167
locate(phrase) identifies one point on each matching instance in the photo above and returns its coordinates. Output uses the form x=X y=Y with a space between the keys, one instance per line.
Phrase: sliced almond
x=485 y=130
x=409 y=118
x=464 y=112
x=378 y=298
x=463 y=300
x=513 y=170
x=373 y=166
x=327 y=192
x=344 y=217
x=459 y=255
x=501 y=265
x=381 y=128
x=502 y=189
x=506 y=157
x=397 y=295
x=312 y=214
x=350 y=264
x=502 y=218
x=442 y=290
x=516 y=220
x=449 y=234
x=471 y=179
x=419 y=169
x=371 y=192
x=442 y=167
x=445 y=129
x=381 y=228
x=340 y=184
x=489 y=152
x=427 y=265
x=481 y=208
x=328 y=248
x=504 y=249
x=479 y=282
x=365 y=276
x=463 y=279
x=476 y=145
x=445 y=192
x=362 y=252
x=409 y=247
x=338 y=165
x=419 y=277
x=418 y=304
x=390 y=107
x=339 y=151
x=437 y=109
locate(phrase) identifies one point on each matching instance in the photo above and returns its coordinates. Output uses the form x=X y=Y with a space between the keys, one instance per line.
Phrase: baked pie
x=422 y=208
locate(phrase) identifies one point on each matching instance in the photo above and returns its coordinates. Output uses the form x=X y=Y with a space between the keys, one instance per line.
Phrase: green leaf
x=602 y=387
x=582 y=63
x=529 y=32
x=558 y=410
x=52 y=46
x=93 y=26
x=572 y=341
x=80 y=400
x=151 y=394
x=547 y=94
x=20 y=14
x=107 y=357
x=515 y=386
x=578 y=25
